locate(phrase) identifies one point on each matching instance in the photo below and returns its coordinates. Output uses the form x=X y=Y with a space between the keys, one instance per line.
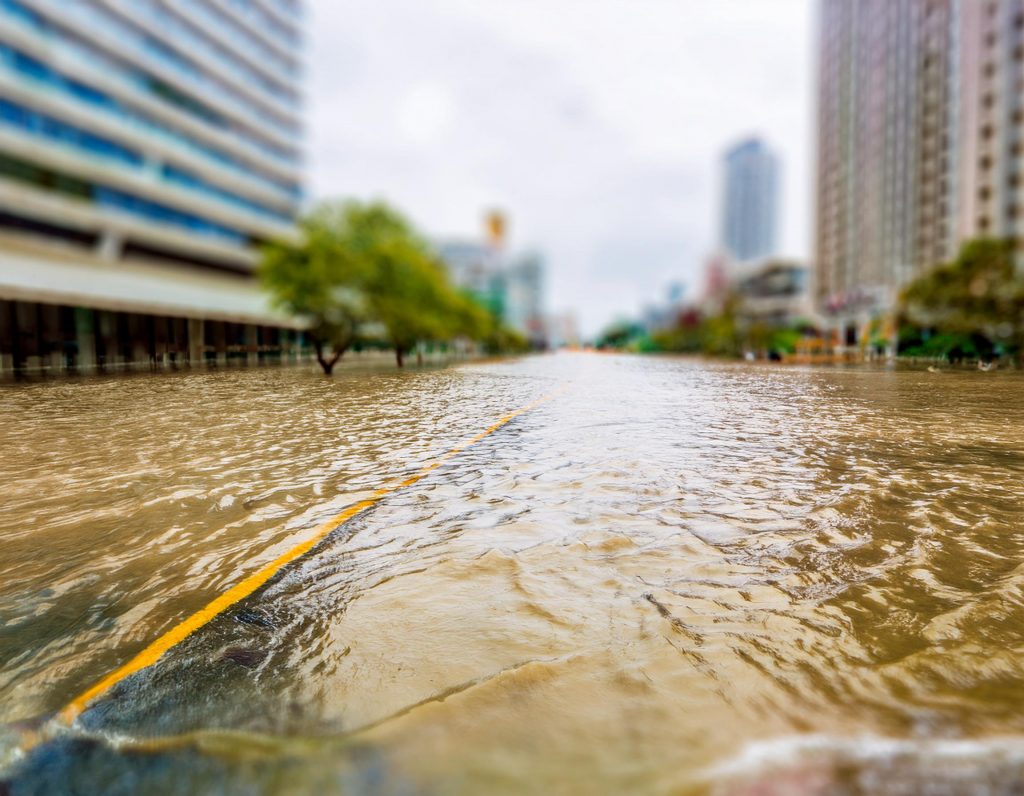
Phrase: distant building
x=146 y=149
x=889 y=149
x=477 y=268
x=750 y=201
x=675 y=293
x=654 y=317
x=665 y=314
x=511 y=287
x=524 y=298
x=774 y=293
x=562 y=331
x=716 y=283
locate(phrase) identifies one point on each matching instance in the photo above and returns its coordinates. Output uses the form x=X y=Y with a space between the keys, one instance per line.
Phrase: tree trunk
x=399 y=356
x=325 y=363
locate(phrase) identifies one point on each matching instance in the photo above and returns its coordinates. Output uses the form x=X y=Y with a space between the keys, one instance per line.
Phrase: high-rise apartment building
x=146 y=148
x=889 y=151
x=991 y=129
x=750 y=201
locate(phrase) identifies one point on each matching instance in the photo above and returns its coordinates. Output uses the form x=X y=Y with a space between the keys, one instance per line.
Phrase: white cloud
x=426 y=114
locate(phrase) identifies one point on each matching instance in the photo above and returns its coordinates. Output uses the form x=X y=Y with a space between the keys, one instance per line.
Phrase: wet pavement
x=673 y=577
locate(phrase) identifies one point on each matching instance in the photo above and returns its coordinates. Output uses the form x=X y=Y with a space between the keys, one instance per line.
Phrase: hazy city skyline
x=597 y=127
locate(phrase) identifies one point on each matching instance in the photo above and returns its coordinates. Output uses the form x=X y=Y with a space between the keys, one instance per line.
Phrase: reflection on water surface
x=675 y=577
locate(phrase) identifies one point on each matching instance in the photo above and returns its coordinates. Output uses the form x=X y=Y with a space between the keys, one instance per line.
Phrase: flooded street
x=671 y=577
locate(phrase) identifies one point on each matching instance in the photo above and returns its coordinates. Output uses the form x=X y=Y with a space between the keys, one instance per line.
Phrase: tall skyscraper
x=888 y=151
x=146 y=148
x=751 y=197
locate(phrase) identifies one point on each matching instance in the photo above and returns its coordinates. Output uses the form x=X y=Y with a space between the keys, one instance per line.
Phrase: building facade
x=889 y=153
x=523 y=280
x=510 y=286
x=750 y=201
x=991 y=129
x=476 y=267
x=147 y=147
x=774 y=293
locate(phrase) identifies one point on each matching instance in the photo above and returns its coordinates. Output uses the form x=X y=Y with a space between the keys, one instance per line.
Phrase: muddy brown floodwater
x=674 y=577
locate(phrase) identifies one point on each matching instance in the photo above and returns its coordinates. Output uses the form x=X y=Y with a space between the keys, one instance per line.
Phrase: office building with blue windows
x=147 y=148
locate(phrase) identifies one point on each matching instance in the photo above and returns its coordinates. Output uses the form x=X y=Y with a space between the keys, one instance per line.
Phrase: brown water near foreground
x=674 y=577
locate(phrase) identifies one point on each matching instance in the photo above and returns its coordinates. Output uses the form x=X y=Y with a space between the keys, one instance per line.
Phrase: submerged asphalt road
x=672 y=576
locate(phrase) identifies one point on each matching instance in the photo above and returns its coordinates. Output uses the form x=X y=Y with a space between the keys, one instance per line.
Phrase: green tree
x=503 y=340
x=720 y=335
x=361 y=270
x=406 y=292
x=975 y=303
x=621 y=334
x=317 y=277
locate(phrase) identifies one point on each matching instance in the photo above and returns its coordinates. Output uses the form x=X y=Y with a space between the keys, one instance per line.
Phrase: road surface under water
x=672 y=577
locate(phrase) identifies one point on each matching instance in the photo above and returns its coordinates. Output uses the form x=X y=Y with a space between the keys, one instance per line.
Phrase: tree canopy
x=361 y=270
x=973 y=304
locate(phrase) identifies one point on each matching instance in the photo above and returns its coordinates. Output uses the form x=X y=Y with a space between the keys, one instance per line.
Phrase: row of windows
x=14 y=115
x=38 y=71
x=190 y=36
x=136 y=205
x=88 y=239
x=149 y=83
x=43 y=177
x=95 y=17
x=187 y=179
x=291 y=8
x=227 y=26
x=253 y=11
x=43 y=126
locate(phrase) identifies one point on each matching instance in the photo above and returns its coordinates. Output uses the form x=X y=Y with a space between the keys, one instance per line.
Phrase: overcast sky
x=596 y=125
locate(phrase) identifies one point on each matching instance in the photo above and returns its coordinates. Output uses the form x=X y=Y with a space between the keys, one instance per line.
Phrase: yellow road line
x=152 y=653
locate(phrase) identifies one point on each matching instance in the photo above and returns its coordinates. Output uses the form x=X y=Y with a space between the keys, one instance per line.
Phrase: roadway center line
x=156 y=650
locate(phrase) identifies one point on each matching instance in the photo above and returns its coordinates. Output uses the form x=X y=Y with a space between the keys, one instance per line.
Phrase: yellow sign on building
x=496 y=228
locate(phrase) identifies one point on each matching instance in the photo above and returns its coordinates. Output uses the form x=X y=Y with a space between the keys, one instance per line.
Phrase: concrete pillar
x=85 y=338
x=196 y=341
x=109 y=245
